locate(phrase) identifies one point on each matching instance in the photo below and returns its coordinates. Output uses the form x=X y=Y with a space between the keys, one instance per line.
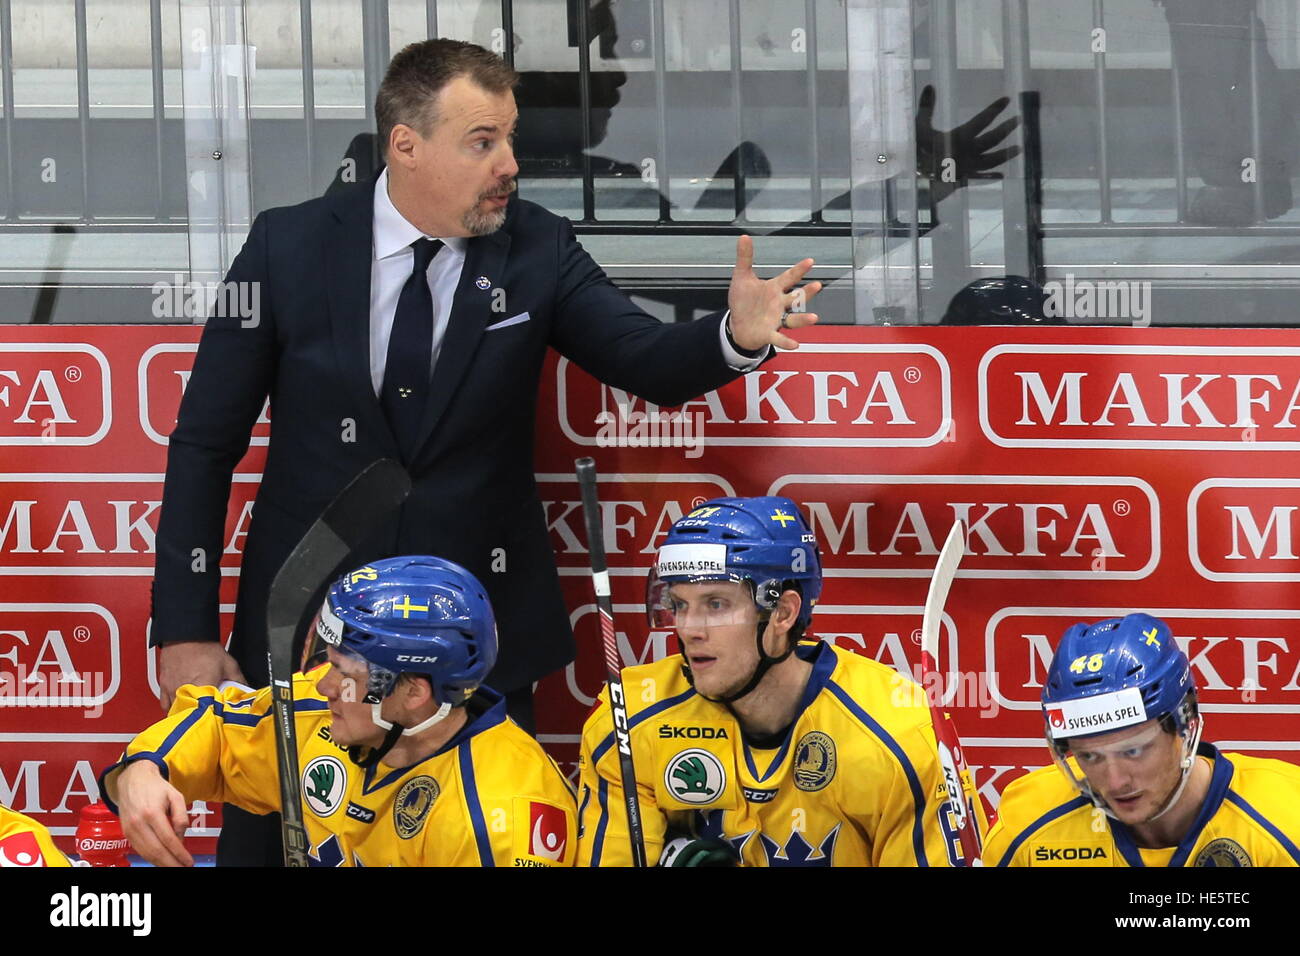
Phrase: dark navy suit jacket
x=473 y=487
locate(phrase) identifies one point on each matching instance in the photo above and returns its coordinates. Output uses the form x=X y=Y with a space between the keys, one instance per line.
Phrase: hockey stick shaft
x=951 y=758
x=379 y=489
x=586 y=471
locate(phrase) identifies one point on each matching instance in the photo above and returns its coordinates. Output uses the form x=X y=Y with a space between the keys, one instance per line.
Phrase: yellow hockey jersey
x=490 y=796
x=24 y=842
x=1251 y=817
x=855 y=782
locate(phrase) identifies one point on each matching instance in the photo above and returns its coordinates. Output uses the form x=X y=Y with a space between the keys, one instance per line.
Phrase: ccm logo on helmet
x=1069 y=853
x=415 y=659
x=694 y=733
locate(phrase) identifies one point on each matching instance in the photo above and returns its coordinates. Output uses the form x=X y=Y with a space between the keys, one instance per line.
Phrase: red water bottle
x=99 y=838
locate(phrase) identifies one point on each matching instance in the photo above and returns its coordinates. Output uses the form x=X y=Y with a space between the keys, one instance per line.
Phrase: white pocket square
x=506 y=323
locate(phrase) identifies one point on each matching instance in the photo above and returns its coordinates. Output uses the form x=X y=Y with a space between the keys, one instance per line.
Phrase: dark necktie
x=406 y=369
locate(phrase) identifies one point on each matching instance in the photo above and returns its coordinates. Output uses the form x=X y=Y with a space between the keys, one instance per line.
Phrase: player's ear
x=786 y=612
x=776 y=640
x=791 y=601
x=415 y=691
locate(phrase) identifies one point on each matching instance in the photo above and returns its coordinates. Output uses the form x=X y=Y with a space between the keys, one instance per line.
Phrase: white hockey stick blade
x=954 y=549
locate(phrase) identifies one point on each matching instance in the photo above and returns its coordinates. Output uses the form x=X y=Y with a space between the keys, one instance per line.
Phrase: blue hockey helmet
x=1116 y=674
x=764 y=542
x=411 y=615
x=760 y=542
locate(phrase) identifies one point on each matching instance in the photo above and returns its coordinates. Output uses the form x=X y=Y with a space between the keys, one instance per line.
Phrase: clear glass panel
x=1152 y=163
x=703 y=118
x=1153 y=175
x=218 y=64
x=883 y=162
x=93 y=209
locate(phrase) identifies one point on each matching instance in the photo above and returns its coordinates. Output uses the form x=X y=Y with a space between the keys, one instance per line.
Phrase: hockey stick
x=586 y=469
x=379 y=489
x=950 y=755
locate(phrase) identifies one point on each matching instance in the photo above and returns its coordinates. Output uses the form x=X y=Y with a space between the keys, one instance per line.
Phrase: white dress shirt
x=391 y=267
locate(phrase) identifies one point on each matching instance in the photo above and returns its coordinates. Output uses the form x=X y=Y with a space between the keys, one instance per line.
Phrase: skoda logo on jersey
x=814 y=761
x=695 y=776
x=412 y=805
x=694 y=733
x=1050 y=853
x=324 y=781
x=1223 y=852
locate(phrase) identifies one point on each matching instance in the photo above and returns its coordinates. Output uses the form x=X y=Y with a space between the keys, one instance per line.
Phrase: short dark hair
x=418 y=73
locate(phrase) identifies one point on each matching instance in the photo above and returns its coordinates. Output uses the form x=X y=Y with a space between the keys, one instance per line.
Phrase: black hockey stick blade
x=375 y=492
x=378 y=490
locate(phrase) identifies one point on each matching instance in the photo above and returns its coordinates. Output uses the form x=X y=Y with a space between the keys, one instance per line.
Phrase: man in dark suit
x=409 y=318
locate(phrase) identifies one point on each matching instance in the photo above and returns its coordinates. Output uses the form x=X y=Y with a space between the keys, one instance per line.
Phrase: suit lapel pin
x=483 y=282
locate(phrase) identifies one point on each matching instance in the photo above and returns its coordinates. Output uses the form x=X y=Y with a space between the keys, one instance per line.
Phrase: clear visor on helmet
x=1075 y=757
x=694 y=604
x=1127 y=744
x=360 y=680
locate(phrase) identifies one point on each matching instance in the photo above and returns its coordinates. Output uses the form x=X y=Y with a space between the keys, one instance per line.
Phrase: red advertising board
x=1099 y=471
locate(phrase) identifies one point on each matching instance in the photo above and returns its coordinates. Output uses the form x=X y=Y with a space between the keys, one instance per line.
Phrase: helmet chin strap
x=765 y=663
x=439 y=715
x=1190 y=743
x=394 y=732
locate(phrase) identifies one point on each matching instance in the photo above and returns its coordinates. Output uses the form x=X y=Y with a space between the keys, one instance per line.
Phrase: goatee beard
x=478 y=223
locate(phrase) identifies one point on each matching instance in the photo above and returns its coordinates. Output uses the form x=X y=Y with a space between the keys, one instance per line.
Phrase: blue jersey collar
x=823 y=662
x=494 y=714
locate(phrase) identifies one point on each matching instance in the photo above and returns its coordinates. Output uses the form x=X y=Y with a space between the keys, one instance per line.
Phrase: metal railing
x=11 y=217
x=662 y=216
x=1017 y=49
x=376 y=53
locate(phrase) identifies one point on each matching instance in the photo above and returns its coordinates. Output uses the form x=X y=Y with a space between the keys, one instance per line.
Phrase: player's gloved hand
x=697 y=851
x=153 y=814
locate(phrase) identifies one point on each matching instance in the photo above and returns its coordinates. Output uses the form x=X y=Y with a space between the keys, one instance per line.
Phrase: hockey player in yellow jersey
x=24 y=842
x=1133 y=784
x=753 y=747
x=405 y=759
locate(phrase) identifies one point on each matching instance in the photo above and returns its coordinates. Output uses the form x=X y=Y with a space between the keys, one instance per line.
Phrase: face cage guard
x=1183 y=715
